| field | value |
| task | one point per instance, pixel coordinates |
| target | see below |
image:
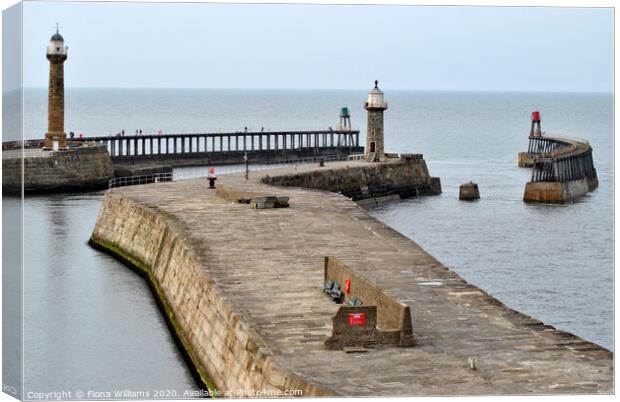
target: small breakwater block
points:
(469, 192)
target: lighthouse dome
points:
(376, 89)
(57, 46)
(375, 97)
(57, 37)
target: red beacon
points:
(535, 130)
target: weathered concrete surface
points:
(558, 192)
(245, 289)
(79, 169)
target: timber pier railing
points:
(178, 145)
(544, 145)
(560, 159)
(562, 169)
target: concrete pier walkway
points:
(268, 266)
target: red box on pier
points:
(357, 319)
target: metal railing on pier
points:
(300, 161)
(198, 172)
(194, 173)
(139, 179)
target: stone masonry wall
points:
(85, 168)
(56, 96)
(391, 312)
(379, 179)
(227, 353)
(375, 133)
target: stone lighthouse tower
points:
(56, 138)
(374, 151)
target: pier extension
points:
(245, 291)
(562, 170)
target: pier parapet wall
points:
(392, 318)
(406, 177)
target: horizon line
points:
(325, 89)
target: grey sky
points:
(337, 47)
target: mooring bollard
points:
(211, 177)
(321, 162)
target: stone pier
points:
(244, 290)
(83, 168)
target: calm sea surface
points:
(91, 323)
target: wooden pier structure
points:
(562, 169)
(196, 145)
(561, 160)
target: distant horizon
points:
(386, 89)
